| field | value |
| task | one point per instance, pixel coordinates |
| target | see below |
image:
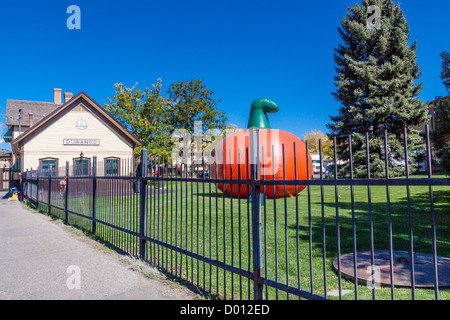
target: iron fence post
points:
(143, 205)
(25, 185)
(21, 190)
(28, 185)
(66, 195)
(256, 214)
(49, 191)
(94, 195)
(37, 188)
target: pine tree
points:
(445, 75)
(375, 84)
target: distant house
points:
(20, 116)
(5, 159)
(49, 135)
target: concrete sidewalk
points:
(35, 254)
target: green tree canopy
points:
(153, 117)
(190, 101)
(375, 85)
(441, 133)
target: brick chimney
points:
(58, 95)
(67, 96)
(30, 115)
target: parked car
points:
(315, 157)
(329, 171)
(204, 174)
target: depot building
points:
(49, 135)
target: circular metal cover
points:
(423, 268)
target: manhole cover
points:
(423, 268)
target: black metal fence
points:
(305, 246)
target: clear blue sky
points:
(244, 49)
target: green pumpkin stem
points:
(258, 113)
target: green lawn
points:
(201, 219)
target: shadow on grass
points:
(421, 225)
(213, 195)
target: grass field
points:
(199, 218)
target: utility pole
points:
(20, 126)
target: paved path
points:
(35, 254)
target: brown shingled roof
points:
(38, 109)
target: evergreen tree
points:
(445, 75)
(375, 84)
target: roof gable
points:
(88, 102)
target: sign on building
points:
(81, 142)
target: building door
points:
(4, 179)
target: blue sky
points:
(244, 49)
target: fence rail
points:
(173, 215)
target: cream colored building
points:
(73, 133)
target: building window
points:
(48, 167)
(81, 167)
(111, 166)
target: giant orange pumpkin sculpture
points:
(231, 156)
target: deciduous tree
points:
(145, 114)
(313, 138)
(441, 132)
(190, 101)
(153, 117)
